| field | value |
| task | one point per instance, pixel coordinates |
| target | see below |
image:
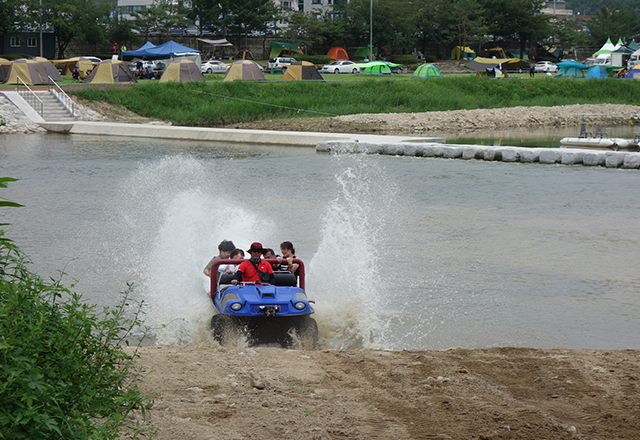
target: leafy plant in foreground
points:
(63, 371)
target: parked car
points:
(340, 66)
(280, 63)
(544, 67)
(214, 66)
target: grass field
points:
(216, 103)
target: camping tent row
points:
(117, 72)
(36, 71)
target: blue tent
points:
(597, 72)
(138, 53)
(166, 50)
(634, 73)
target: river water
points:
(401, 252)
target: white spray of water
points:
(179, 209)
(177, 213)
(347, 266)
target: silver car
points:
(545, 66)
(340, 66)
(214, 66)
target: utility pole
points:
(371, 31)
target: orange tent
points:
(338, 53)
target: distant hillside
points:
(590, 7)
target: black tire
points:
(307, 332)
(337, 71)
(354, 71)
(209, 70)
(223, 329)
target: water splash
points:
(178, 211)
(347, 267)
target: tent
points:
(364, 52)
(426, 71)
(570, 69)
(376, 68)
(5, 68)
(84, 65)
(244, 70)
(29, 71)
(597, 72)
(606, 49)
(170, 49)
(244, 54)
(139, 53)
(182, 71)
(51, 69)
(633, 73)
(302, 70)
(480, 64)
(111, 72)
(458, 53)
(280, 49)
(633, 45)
(338, 53)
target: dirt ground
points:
(213, 392)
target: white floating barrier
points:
(573, 156)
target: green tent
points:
(376, 68)
(426, 71)
(363, 52)
(280, 49)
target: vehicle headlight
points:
(236, 306)
(300, 305)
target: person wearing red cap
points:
(255, 269)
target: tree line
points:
(398, 25)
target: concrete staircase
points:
(53, 109)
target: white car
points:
(280, 63)
(545, 66)
(214, 66)
(340, 66)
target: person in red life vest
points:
(255, 269)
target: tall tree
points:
(84, 20)
(317, 31)
(613, 21)
(254, 15)
(394, 22)
(16, 14)
(162, 17)
(566, 33)
(517, 19)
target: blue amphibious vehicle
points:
(263, 313)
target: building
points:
(28, 43)
(557, 8)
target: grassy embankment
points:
(218, 103)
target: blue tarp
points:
(165, 50)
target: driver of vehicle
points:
(255, 269)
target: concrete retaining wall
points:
(564, 156)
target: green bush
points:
(63, 371)
(430, 58)
(403, 59)
(315, 59)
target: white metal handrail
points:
(60, 94)
(30, 96)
